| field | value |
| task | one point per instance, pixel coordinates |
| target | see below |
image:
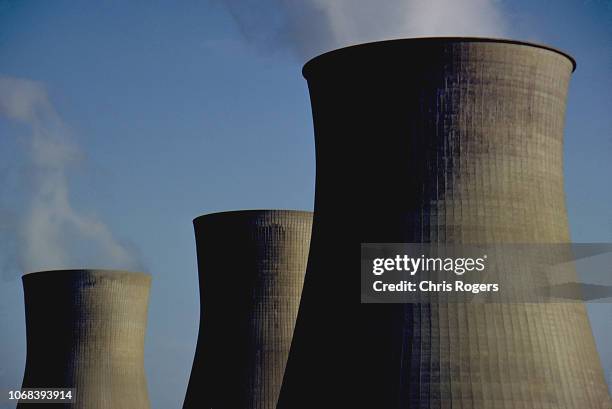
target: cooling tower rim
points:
(251, 212)
(308, 66)
(82, 271)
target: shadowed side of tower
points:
(441, 140)
(86, 330)
(251, 269)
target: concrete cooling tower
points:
(86, 330)
(440, 140)
(251, 269)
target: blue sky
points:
(183, 109)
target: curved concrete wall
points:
(86, 330)
(444, 140)
(251, 269)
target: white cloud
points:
(311, 27)
(48, 232)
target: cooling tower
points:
(440, 140)
(251, 269)
(85, 330)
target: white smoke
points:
(47, 232)
(311, 27)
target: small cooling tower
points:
(86, 330)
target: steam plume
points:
(48, 232)
(311, 27)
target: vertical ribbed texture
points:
(437, 141)
(251, 268)
(86, 330)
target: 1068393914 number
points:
(47, 395)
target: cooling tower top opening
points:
(71, 273)
(348, 56)
(251, 213)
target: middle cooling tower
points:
(438, 140)
(251, 269)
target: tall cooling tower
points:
(86, 330)
(440, 140)
(251, 268)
